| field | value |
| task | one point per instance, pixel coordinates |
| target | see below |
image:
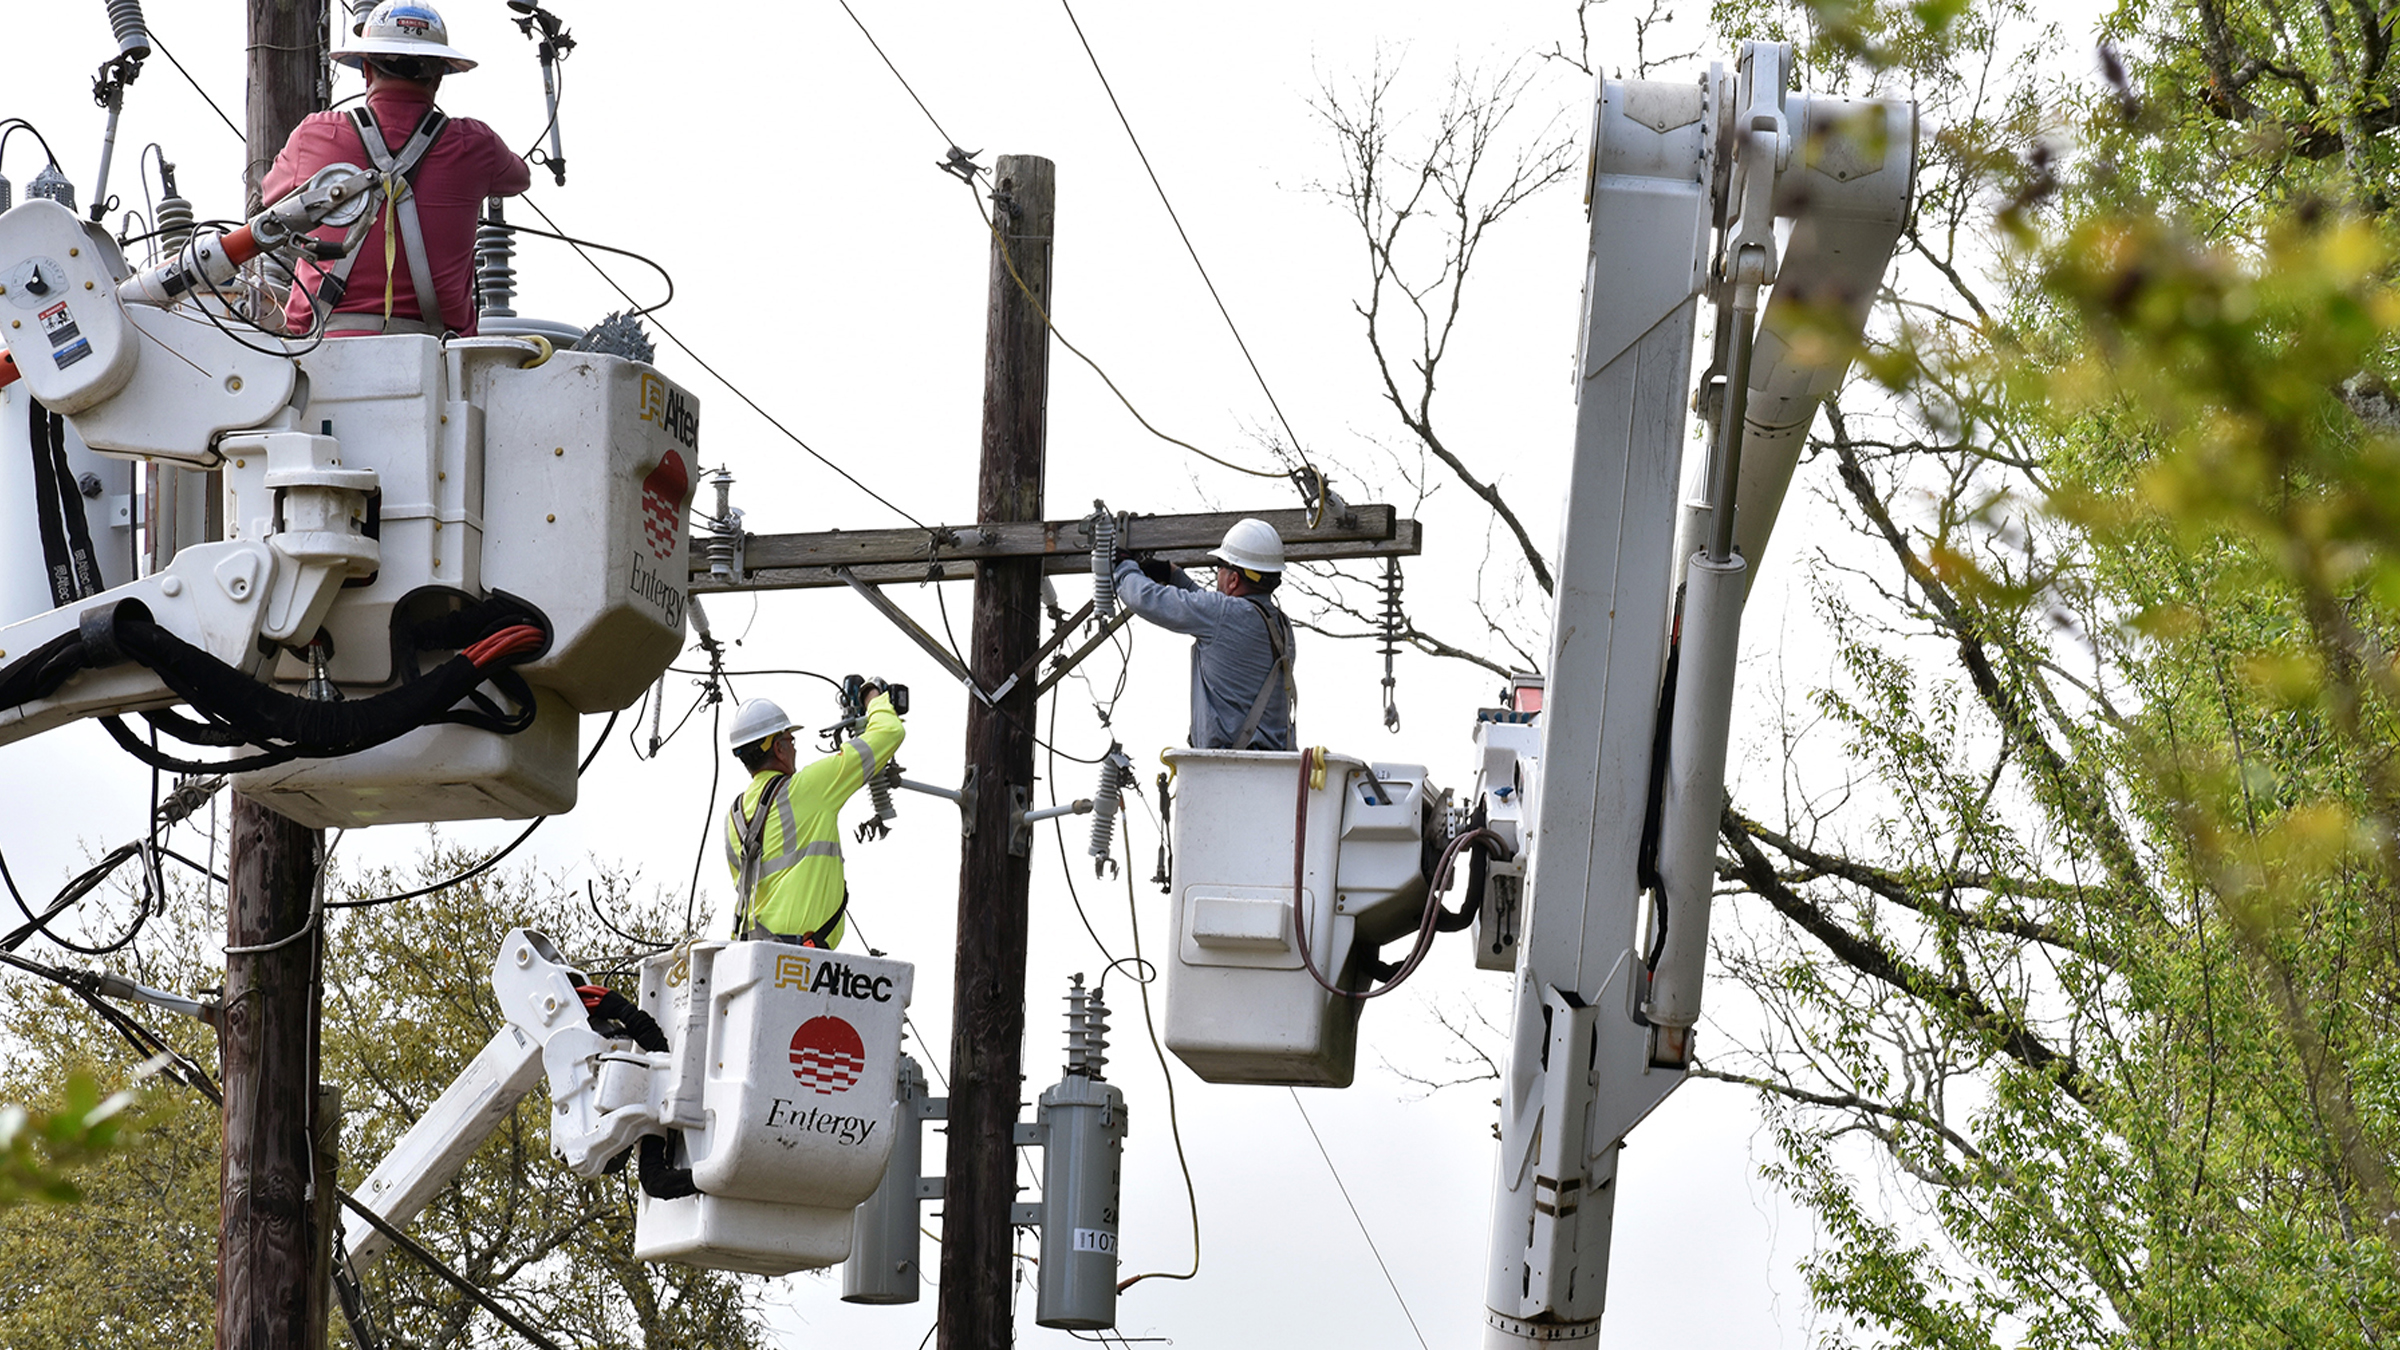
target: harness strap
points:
(1278, 638)
(751, 830)
(398, 170)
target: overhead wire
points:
(903, 79)
(581, 244)
(195, 84)
(1009, 261)
(1336, 1173)
(730, 387)
(598, 743)
(1188, 248)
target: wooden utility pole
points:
(269, 1223)
(987, 1025)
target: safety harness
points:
(753, 868)
(1279, 637)
(397, 171)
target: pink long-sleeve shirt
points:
(469, 163)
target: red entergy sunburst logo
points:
(662, 503)
(827, 1055)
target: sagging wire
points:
(599, 743)
(1008, 260)
(581, 244)
(1143, 973)
(1166, 1075)
(730, 387)
(1313, 485)
(316, 907)
(187, 797)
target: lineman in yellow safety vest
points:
(782, 838)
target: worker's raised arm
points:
(838, 775)
(1181, 608)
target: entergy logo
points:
(663, 492)
(827, 1055)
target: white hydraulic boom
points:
(1688, 183)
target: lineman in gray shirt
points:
(1242, 692)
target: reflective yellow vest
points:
(783, 837)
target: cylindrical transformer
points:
(1083, 1128)
(884, 1233)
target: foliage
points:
(2064, 907)
(41, 1150)
(407, 1003)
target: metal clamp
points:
(1021, 820)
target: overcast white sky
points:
(765, 156)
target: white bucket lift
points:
(766, 1106)
(785, 1088)
(1241, 1007)
(388, 501)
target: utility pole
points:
(269, 1223)
(987, 1036)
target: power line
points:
(195, 84)
(730, 386)
(947, 138)
(1206, 280)
(1354, 1215)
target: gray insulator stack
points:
(621, 334)
(133, 36)
(1083, 1130)
(176, 219)
(496, 264)
(879, 791)
(1087, 1032)
(1116, 769)
(53, 185)
(8, 193)
(1104, 563)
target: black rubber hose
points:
(660, 1181)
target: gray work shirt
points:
(1232, 656)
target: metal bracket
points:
(1021, 822)
(914, 631)
(1025, 1214)
(1075, 658)
(965, 797)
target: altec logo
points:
(827, 1055)
(670, 408)
(834, 978)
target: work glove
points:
(1157, 570)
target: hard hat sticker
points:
(827, 1055)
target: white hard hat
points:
(755, 721)
(403, 28)
(1252, 544)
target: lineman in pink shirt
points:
(413, 269)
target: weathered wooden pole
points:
(269, 1225)
(987, 1029)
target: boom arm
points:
(1686, 184)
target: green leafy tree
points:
(2062, 912)
(408, 1002)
